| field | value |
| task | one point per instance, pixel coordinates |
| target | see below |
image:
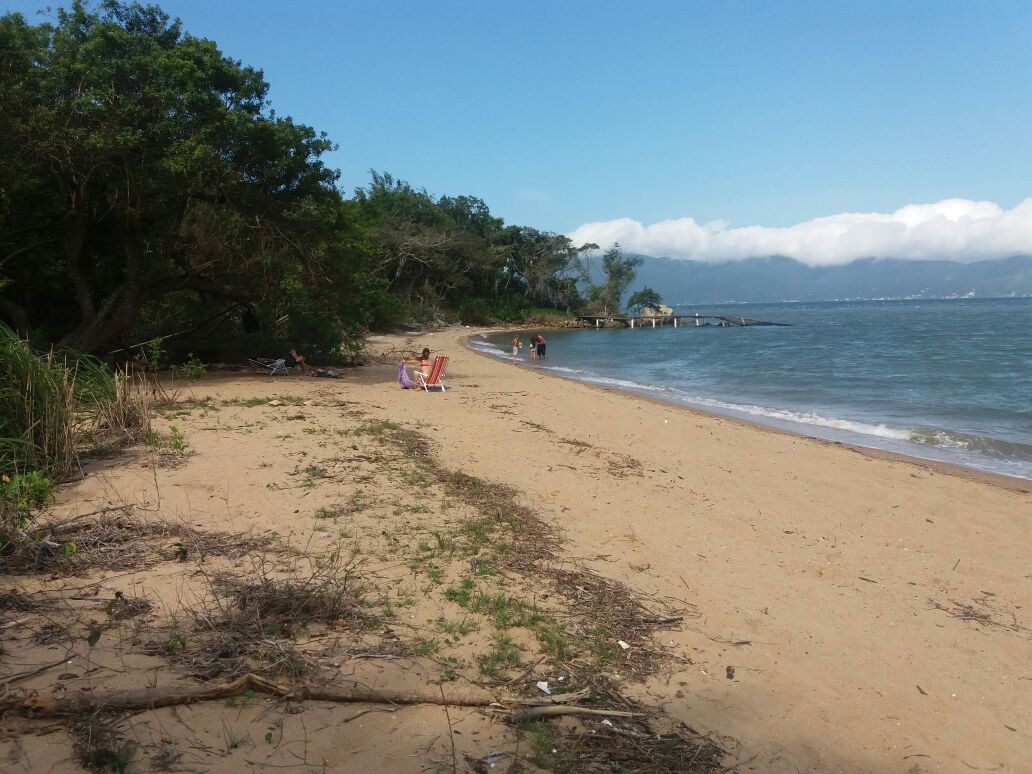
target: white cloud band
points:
(953, 229)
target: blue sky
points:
(562, 113)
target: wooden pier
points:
(675, 320)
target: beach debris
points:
(490, 760)
(607, 722)
(730, 673)
(543, 687)
(275, 403)
(623, 644)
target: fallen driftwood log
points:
(151, 698)
(135, 699)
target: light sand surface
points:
(849, 575)
(850, 613)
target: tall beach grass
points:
(56, 405)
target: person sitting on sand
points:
(294, 359)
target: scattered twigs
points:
(558, 698)
(16, 678)
(556, 710)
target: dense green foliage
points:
(148, 190)
(22, 496)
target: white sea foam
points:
(587, 376)
(806, 418)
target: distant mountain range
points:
(777, 278)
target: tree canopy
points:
(618, 271)
(148, 186)
(646, 298)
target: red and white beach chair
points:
(435, 379)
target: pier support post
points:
(597, 322)
(675, 322)
(632, 322)
(653, 322)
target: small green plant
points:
(451, 665)
(539, 735)
(22, 497)
(505, 610)
(154, 353)
(436, 574)
(456, 628)
(426, 647)
(462, 595)
(194, 368)
(177, 443)
(174, 444)
(360, 501)
(555, 641)
(601, 651)
(176, 643)
(503, 656)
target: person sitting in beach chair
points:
(424, 363)
(435, 379)
(294, 359)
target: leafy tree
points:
(145, 164)
(646, 298)
(618, 273)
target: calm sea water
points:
(946, 380)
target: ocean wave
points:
(968, 442)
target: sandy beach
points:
(838, 611)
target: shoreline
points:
(1015, 483)
(829, 610)
(832, 579)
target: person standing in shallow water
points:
(517, 345)
(533, 347)
(540, 347)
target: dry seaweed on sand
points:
(633, 745)
(119, 542)
(250, 622)
(17, 601)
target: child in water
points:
(517, 345)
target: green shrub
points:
(22, 496)
(194, 368)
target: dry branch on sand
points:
(135, 699)
(248, 622)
